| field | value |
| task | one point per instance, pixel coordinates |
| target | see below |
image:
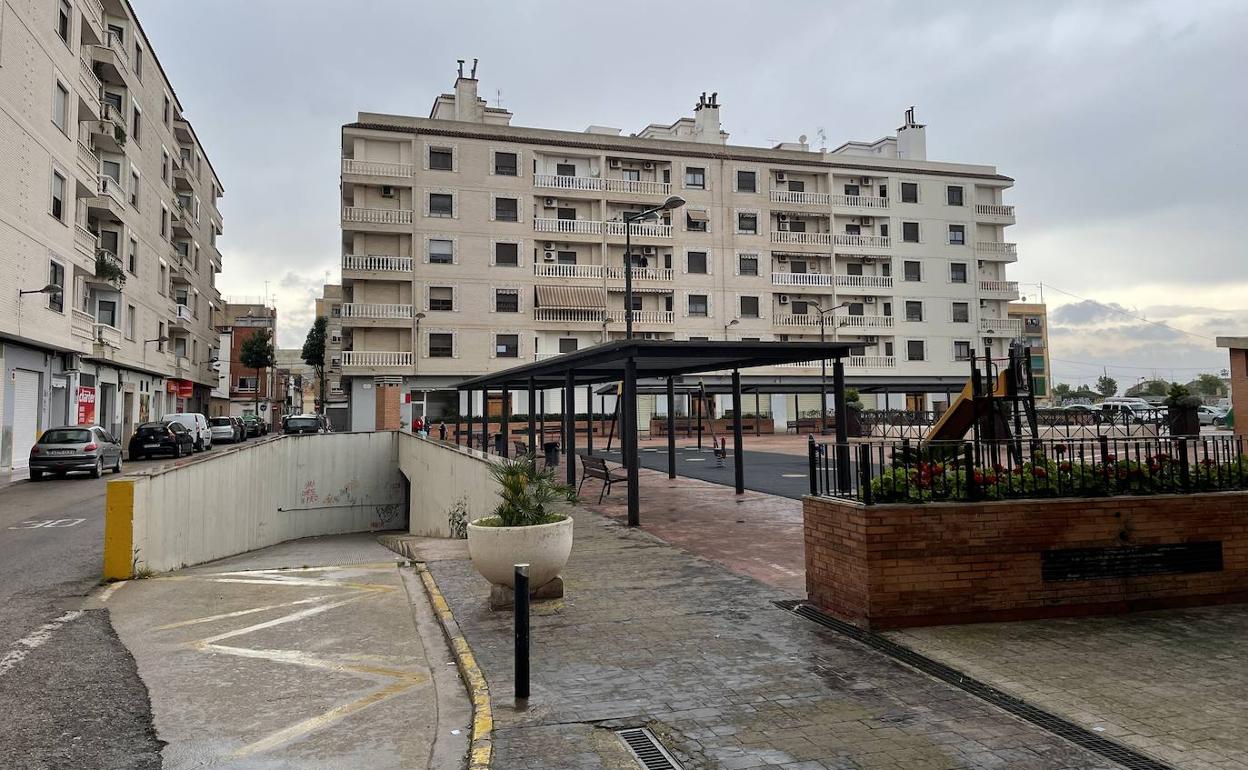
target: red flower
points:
(979, 477)
(1111, 458)
(1039, 471)
(1065, 466)
(938, 469)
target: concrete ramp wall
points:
(442, 476)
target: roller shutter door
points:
(25, 415)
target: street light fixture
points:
(728, 326)
(50, 288)
(672, 202)
(823, 366)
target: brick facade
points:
(388, 406)
(889, 566)
(1239, 389)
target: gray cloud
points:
(1086, 312)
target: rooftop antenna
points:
(498, 97)
(461, 67)
(823, 139)
(474, 69)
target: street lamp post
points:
(673, 202)
(823, 367)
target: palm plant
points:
(528, 493)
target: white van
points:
(197, 424)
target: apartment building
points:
(470, 245)
(1033, 317)
(336, 407)
(251, 391)
(108, 196)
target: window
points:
(696, 220)
(957, 272)
(441, 345)
(856, 308)
(852, 189)
(914, 311)
(164, 165)
(953, 195)
(912, 270)
(883, 191)
(441, 298)
(160, 287)
(164, 221)
(884, 230)
(244, 383)
(853, 268)
(130, 321)
(441, 159)
(133, 257)
(506, 164)
(56, 277)
(637, 303)
(507, 209)
(910, 232)
(507, 254)
(60, 107)
(138, 60)
(747, 224)
(957, 235)
(166, 112)
(695, 177)
(136, 124)
(961, 350)
(565, 169)
(58, 196)
(506, 301)
(569, 257)
(961, 313)
(747, 181)
(915, 350)
(698, 305)
(630, 174)
(799, 307)
(747, 264)
(797, 185)
(134, 188)
(507, 345)
(909, 192)
(749, 307)
(64, 20)
(106, 312)
(567, 344)
(441, 205)
(441, 251)
(695, 262)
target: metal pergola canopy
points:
(654, 358)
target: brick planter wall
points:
(890, 566)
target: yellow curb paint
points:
(480, 747)
(119, 530)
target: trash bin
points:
(551, 449)
(500, 442)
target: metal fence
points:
(1099, 466)
(896, 423)
(1050, 423)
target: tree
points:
(314, 356)
(1149, 388)
(1061, 392)
(257, 353)
(1106, 385)
(1209, 385)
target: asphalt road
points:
(774, 473)
(69, 692)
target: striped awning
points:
(570, 297)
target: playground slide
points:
(957, 419)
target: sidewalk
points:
(315, 654)
(649, 635)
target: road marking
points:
(47, 523)
(22, 647)
(695, 459)
(793, 475)
(112, 589)
(239, 613)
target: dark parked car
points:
(305, 423)
(153, 438)
(254, 426)
(240, 428)
(74, 448)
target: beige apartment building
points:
(108, 195)
(1034, 318)
(470, 245)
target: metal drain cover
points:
(646, 748)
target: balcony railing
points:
(864, 281)
(1012, 327)
(994, 210)
(809, 319)
(118, 47)
(559, 182)
(864, 321)
(93, 11)
(111, 188)
(88, 161)
(637, 186)
(85, 241)
(996, 248)
(377, 216)
(594, 184)
(377, 263)
(801, 279)
(376, 168)
(647, 316)
(803, 239)
(376, 359)
(868, 241)
(376, 310)
(576, 226)
(82, 324)
(641, 229)
(851, 362)
(91, 86)
(641, 273)
(557, 270)
(109, 336)
(860, 201)
(804, 198)
(1009, 288)
(571, 315)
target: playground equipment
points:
(993, 403)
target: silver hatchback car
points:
(74, 448)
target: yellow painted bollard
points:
(119, 530)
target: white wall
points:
(442, 475)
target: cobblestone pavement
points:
(1171, 684)
(651, 635)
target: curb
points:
(480, 747)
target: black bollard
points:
(522, 630)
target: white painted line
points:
(793, 475)
(22, 647)
(48, 523)
(695, 459)
(112, 589)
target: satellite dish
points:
(801, 139)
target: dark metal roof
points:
(654, 358)
(805, 383)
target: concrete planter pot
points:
(544, 547)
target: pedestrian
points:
(417, 425)
(442, 430)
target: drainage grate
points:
(647, 749)
(1080, 736)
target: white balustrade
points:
(379, 310)
(570, 315)
(805, 198)
(865, 321)
(851, 362)
(574, 226)
(649, 317)
(802, 239)
(1002, 326)
(85, 241)
(377, 216)
(109, 336)
(560, 182)
(860, 201)
(376, 168)
(801, 279)
(641, 273)
(864, 281)
(111, 188)
(93, 10)
(82, 324)
(996, 248)
(557, 270)
(377, 263)
(869, 241)
(809, 319)
(994, 209)
(376, 359)
(641, 229)
(118, 47)
(91, 86)
(637, 186)
(999, 287)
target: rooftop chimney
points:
(912, 139)
(467, 106)
(706, 126)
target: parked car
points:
(304, 423)
(1211, 415)
(152, 438)
(74, 448)
(223, 430)
(240, 428)
(254, 426)
(197, 424)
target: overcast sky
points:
(1124, 124)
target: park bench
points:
(521, 448)
(596, 468)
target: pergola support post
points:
(504, 444)
(569, 423)
(738, 460)
(589, 419)
(533, 417)
(629, 434)
(485, 420)
(671, 428)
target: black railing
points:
(1097, 466)
(896, 423)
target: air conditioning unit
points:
(550, 203)
(782, 258)
(783, 226)
(548, 256)
(780, 178)
(648, 166)
(650, 336)
(783, 299)
(387, 191)
(649, 250)
(866, 180)
(614, 163)
(868, 300)
(871, 340)
(549, 245)
(867, 221)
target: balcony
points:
(800, 198)
(801, 279)
(88, 163)
(864, 321)
(107, 336)
(110, 199)
(568, 226)
(93, 18)
(801, 239)
(851, 362)
(808, 319)
(109, 132)
(1007, 290)
(82, 324)
(860, 202)
(645, 317)
(587, 315)
(113, 59)
(376, 311)
(1001, 327)
(864, 241)
(376, 168)
(637, 187)
(997, 250)
(994, 213)
(181, 219)
(377, 216)
(595, 184)
(376, 263)
(89, 93)
(641, 229)
(86, 243)
(376, 359)
(867, 284)
(182, 317)
(557, 270)
(642, 273)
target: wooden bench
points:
(521, 448)
(593, 467)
